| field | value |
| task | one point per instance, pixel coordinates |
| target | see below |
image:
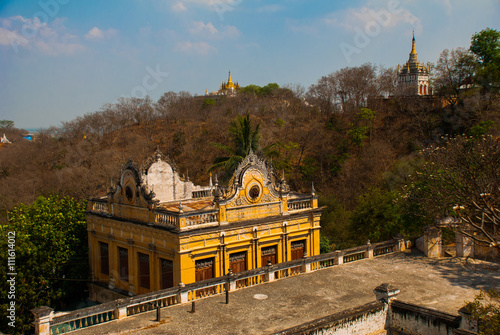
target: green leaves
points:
(51, 256)
(485, 45)
(377, 217)
(6, 124)
(244, 138)
(486, 310)
(260, 91)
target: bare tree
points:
(454, 74)
(461, 179)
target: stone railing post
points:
(43, 316)
(230, 280)
(340, 258)
(182, 296)
(120, 311)
(386, 292)
(369, 250)
(400, 243)
(306, 267)
(269, 276)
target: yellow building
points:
(226, 88)
(155, 230)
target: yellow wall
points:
(185, 250)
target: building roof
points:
(413, 65)
(155, 194)
(444, 285)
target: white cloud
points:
(366, 18)
(448, 7)
(97, 34)
(200, 48)
(94, 33)
(200, 27)
(179, 7)
(32, 34)
(208, 31)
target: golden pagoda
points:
(228, 88)
(413, 77)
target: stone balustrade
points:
(200, 219)
(202, 194)
(47, 324)
(165, 219)
(296, 205)
(100, 206)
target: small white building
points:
(4, 140)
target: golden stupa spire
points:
(413, 44)
(229, 81)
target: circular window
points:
(129, 193)
(254, 192)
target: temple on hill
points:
(155, 230)
(226, 88)
(413, 77)
(4, 141)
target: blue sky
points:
(60, 59)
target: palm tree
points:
(244, 139)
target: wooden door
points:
(123, 263)
(269, 254)
(238, 263)
(167, 273)
(104, 258)
(204, 270)
(144, 277)
(297, 249)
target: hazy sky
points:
(65, 58)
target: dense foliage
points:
(50, 259)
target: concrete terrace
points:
(444, 285)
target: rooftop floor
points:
(444, 284)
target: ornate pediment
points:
(254, 181)
(131, 188)
(157, 181)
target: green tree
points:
(485, 46)
(244, 138)
(259, 91)
(481, 129)
(51, 257)
(485, 309)
(335, 223)
(377, 217)
(6, 124)
(208, 102)
(269, 88)
(361, 129)
(252, 89)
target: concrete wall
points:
(431, 243)
(368, 319)
(397, 318)
(406, 318)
